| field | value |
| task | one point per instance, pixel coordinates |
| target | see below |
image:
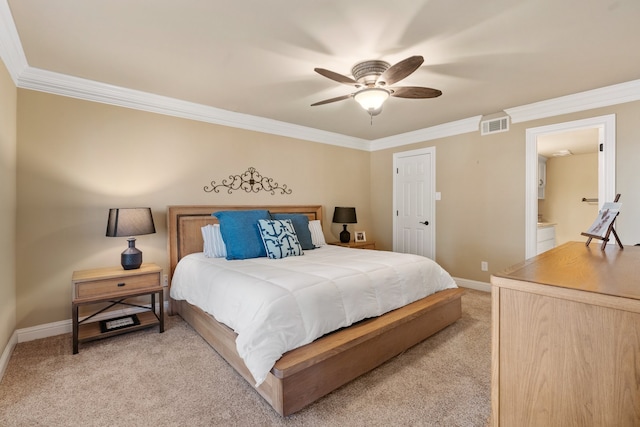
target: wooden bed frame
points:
(303, 375)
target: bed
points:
(311, 371)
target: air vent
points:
(494, 126)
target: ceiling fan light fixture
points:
(371, 99)
(374, 82)
(562, 153)
(374, 112)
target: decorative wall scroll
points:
(250, 181)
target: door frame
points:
(431, 189)
(606, 126)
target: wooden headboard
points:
(185, 221)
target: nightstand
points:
(114, 285)
(356, 245)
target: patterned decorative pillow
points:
(213, 244)
(301, 225)
(279, 237)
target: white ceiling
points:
(581, 141)
(257, 57)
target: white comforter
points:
(276, 305)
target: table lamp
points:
(130, 222)
(344, 216)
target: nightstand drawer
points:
(117, 284)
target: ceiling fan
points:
(373, 80)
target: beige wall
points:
(77, 159)
(8, 105)
(481, 216)
(569, 179)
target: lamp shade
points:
(344, 215)
(123, 222)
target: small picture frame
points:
(360, 237)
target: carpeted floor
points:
(175, 379)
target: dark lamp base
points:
(131, 258)
(345, 236)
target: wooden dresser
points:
(566, 339)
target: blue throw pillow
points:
(240, 233)
(279, 238)
(301, 225)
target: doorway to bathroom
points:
(606, 141)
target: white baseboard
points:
(6, 354)
(53, 329)
(473, 284)
(66, 326)
(44, 331)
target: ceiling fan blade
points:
(415, 92)
(399, 71)
(337, 77)
(328, 101)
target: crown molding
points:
(11, 50)
(61, 84)
(457, 127)
(26, 77)
(587, 100)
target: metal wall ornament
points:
(251, 181)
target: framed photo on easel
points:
(602, 227)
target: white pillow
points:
(213, 244)
(317, 236)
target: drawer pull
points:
(121, 284)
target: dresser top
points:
(574, 265)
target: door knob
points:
(425, 223)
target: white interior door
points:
(414, 202)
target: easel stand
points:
(610, 230)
